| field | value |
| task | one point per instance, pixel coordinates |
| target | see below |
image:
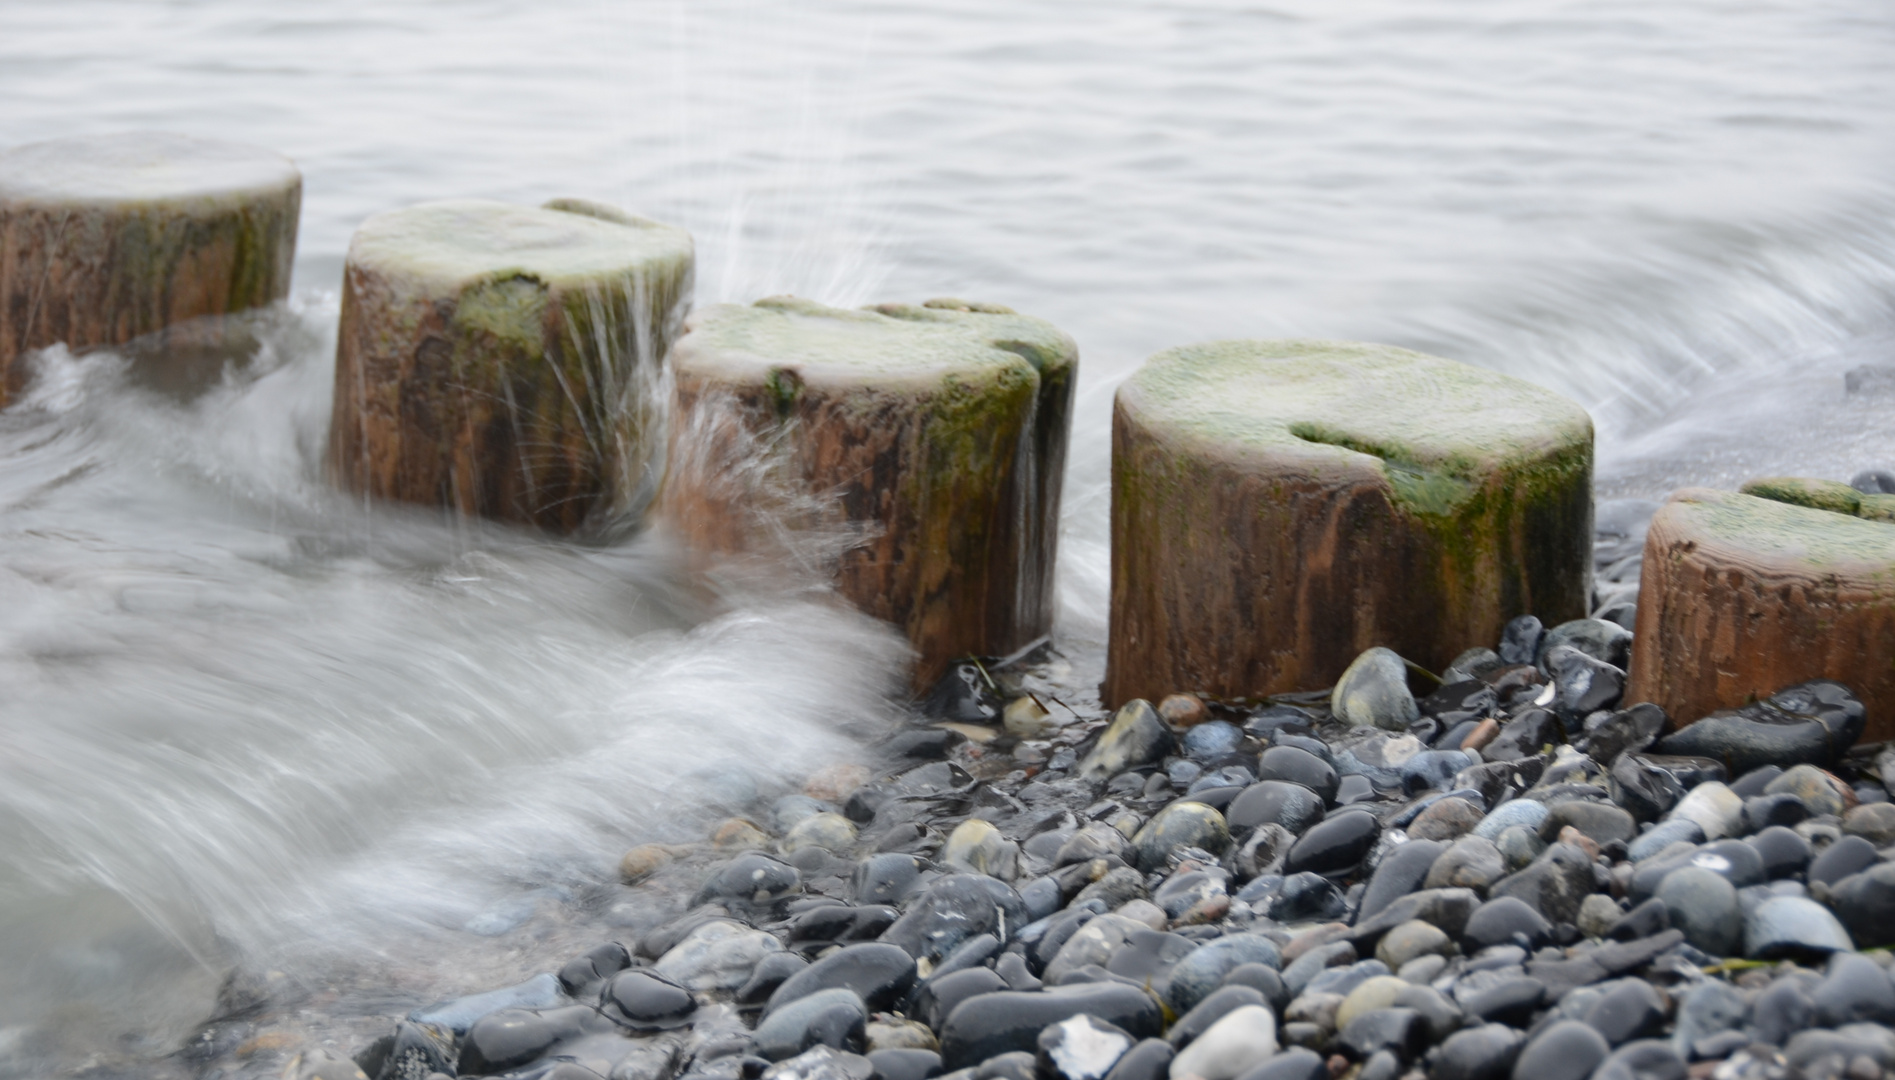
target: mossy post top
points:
(441, 246)
(890, 346)
(140, 167)
(1750, 528)
(1334, 407)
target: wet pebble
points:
(1336, 845)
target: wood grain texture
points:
(109, 239)
(505, 361)
(1278, 507)
(1742, 596)
(933, 438)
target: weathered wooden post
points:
(936, 432)
(503, 360)
(110, 238)
(1742, 595)
(1280, 506)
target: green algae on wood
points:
(1742, 595)
(932, 436)
(1829, 495)
(1280, 506)
(505, 361)
(109, 239)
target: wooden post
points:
(934, 434)
(1280, 506)
(110, 238)
(1742, 596)
(504, 361)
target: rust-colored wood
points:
(503, 361)
(1279, 507)
(927, 443)
(109, 239)
(1740, 597)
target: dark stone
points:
(953, 909)
(1849, 855)
(834, 1017)
(638, 999)
(1644, 920)
(1751, 784)
(1782, 852)
(1854, 990)
(1567, 1050)
(513, 1037)
(1497, 781)
(840, 924)
(1042, 897)
(1783, 1009)
(1705, 1009)
(1353, 789)
(1617, 958)
(1597, 639)
(938, 996)
(1214, 739)
(1865, 904)
(1298, 766)
(1807, 724)
(1149, 955)
(1432, 770)
(973, 952)
(1600, 822)
(905, 1064)
(1511, 1001)
(1295, 1063)
(1782, 808)
(1646, 791)
(768, 975)
(963, 695)
(1645, 1059)
(1059, 930)
(1012, 1065)
(1149, 1059)
(1520, 640)
(1007, 1021)
(1704, 905)
(923, 744)
(1270, 719)
(1279, 802)
(1446, 909)
(1554, 884)
(1081, 1048)
(1584, 684)
(1628, 730)
(1464, 696)
(414, 1050)
(1307, 896)
(1711, 1048)
(582, 973)
(1195, 976)
(1336, 845)
(1210, 1010)
(1505, 920)
(1012, 968)
(1179, 826)
(1135, 737)
(1523, 736)
(1630, 1010)
(750, 881)
(1487, 1052)
(1402, 1032)
(1399, 873)
(1264, 980)
(1733, 860)
(880, 974)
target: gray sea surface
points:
(246, 722)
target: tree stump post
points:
(1741, 596)
(1280, 506)
(934, 435)
(108, 239)
(505, 361)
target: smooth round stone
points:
(1567, 1050)
(1341, 980)
(953, 909)
(718, 955)
(885, 878)
(1706, 1009)
(1486, 1052)
(1714, 808)
(1874, 822)
(1525, 812)
(1602, 823)
(1006, 1021)
(1148, 1059)
(1783, 853)
(1136, 736)
(1230, 1047)
(1263, 979)
(1598, 914)
(1782, 808)
(1791, 927)
(1509, 1001)
(1354, 788)
(1307, 897)
(1378, 992)
(1336, 845)
(1093, 944)
(1642, 1059)
(1555, 884)
(1180, 825)
(1503, 921)
(750, 880)
(1296, 1063)
(1781, 1010)
(1373, 692)
(1854, 990)
(1209, 741)
(513, 1037)
(1410, 940)
(1399, 873)
(1819, 790)
(829, 831)
(1081, 1048)
(1663, 835)
(1703, 905)
(1518, 846)
(1865, 903)
(642, 1001)
(1606, 642)
(1446, 819)
(1433, 770)
(1751, 784)
(937, 997)
(904, 1063)
(878, 974)
(1399, 1033)
(1298, 766)
(976, 847)
(834, 1018)
(1222, 1001)
(1630, 1010)
(1200, 972)
(768, 975)
(1275, 802)
(1849, 855)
